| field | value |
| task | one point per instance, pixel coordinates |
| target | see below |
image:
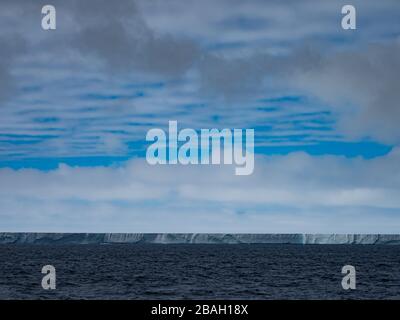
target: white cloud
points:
(295, 193)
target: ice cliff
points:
(195, 238)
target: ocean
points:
(200, 271)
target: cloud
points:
(113, 70)
(12, 46)
(313, 194)
(258, 47)
(238, 52)
(359, 86)
(119, 35)
(214, 68)
(362, 86)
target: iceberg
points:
(196, 238)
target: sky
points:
(76, 104)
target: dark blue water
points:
(199, 271)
